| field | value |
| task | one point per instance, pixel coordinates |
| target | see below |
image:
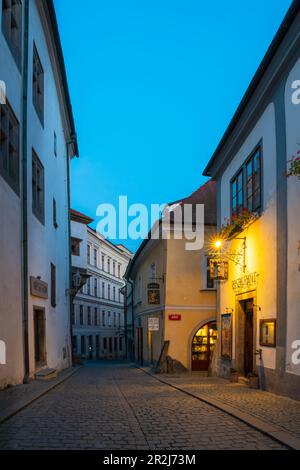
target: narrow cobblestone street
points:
(116, 406)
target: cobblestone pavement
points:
(116, 406)
(278, 410)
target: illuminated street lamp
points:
(219, 255)
(218, 244)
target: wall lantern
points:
(220, 256)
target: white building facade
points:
(258, 306)
(37, 137)
(98, 314)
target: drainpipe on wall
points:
(69, 288)
(125, 292)
(24, 198)
(132, 313)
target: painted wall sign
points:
(2, 353)
(226, 335)
(153, 324)
(153, 293)
(218, 269)
(175, 317)
(245, 283)
(38, 288)
(267, 335)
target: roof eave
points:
(49, 7)
(288, 20)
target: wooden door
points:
(39, 338)
(248, 341)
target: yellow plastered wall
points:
(185, 296)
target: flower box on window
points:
(294, 169)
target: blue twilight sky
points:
(154, 85)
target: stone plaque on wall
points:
(38, 288)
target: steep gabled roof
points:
(80, 217)
(207, 195)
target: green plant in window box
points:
(238, 224)
(294, 169)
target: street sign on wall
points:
(153, 324)
(153, 293)
(38, 288)
(175, 317)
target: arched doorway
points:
(203, 345)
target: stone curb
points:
(269, 429)
(35, 395)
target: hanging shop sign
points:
(175, 317)
(226, 335)
(153, 293)
(218, 270)
(153, 324)
(245, 283)
(38, 288)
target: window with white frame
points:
(95, 287)
(95, 257)
(38, 188)
(38, 85)
(103, 290)
(54, 213)
(12, 27)
(9, 147)
(246, 185)
(139, 289)
(153, 271)
(207, 283)
(55, 143)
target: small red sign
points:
(175, 317)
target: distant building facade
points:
(258, 307)
(37, 140)
(98, 315)
(171, 299)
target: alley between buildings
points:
(113, 405)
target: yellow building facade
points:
(171, 298)
(258, 304)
